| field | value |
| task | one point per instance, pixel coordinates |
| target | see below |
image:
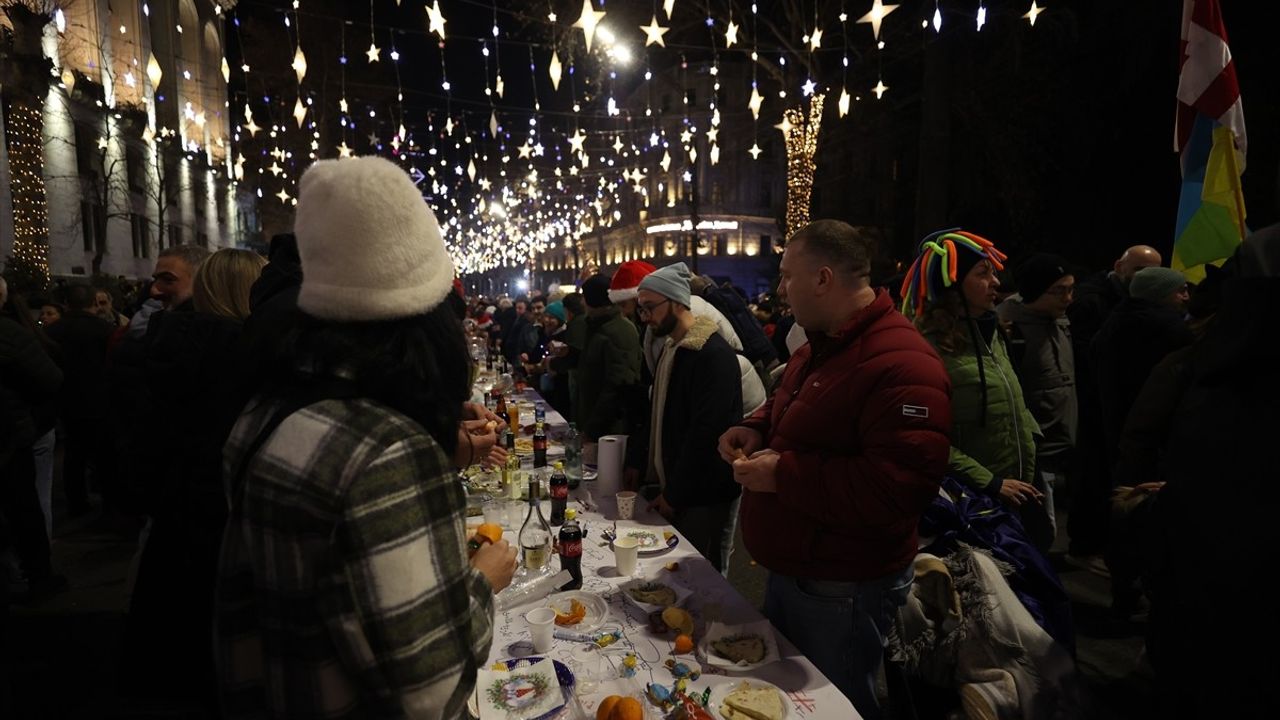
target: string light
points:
(30, 259)
(802, 142)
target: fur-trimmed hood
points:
(702, 330)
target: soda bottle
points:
(539, 445)
(499, 404)
(573, 457)
(535, 534)
(559, 494)
(571, 549)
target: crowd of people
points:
(284, 434)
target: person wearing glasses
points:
(1041, 353)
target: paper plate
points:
(597, 609)
(682, 593)
(563, 674)
(717, 631)
(722, 690)
(651, 542)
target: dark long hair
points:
(418, 366)
(946, 321)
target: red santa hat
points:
(626, 281)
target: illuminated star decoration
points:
(102, 143)
(982, 16)
(342, 105)
(373, 53)
(666, 161)
(343, 150)
(784, 126)
(554, 70)
(731, 34)
(815, 40)
(299, 111)
(1032, 13)
(754, 103)
(249, 124)
(878, 11)
(576, 140)
(283, 195)
(275, 169)
(588, 21)
(809, 87)
(300, 64)
(755, 151)
(653, 33)
(844, 103)
(668, 6)
(436, 19)
(879, 88)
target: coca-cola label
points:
(560, 491)
(571, 548)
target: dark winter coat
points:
(860, 419)
(607, 371)
(82, 342)
(1042, 355)
(29, 379)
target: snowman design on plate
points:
(517, 692)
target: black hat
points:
(595, 291)
(1039, 273)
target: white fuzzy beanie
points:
(370, 246)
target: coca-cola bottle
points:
(559, 485)
(539, 445)
(571, 549)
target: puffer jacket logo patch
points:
(915, 411)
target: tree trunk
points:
(24, 122)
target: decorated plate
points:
(651, 542)
(521, 690)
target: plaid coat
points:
(344, 587)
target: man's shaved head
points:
(1136, 258)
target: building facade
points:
(132, 103)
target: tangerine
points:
(490, 532)
(684, 644)
(628, 708)
(606, 707)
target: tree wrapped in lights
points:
(802, 141)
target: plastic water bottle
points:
(539, 413)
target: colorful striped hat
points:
(938, 266)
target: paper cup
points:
(625, 552)
(541, 626)
(626, 504)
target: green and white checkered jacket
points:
(344, 589)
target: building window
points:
(136, 167)
(93, 224)
(141, 235)
(88, 156)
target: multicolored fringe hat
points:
(944, 258)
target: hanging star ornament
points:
(342, 105)
(493, 124)
(666, 161)
(249, 124)
(731, 34)
(755, 102)
(524, 151)
(784, 126)
(300, 64)
(499, 86)
(879, 88)
(554, 70)
(299, 111)
(437, 20)
(275, 169)
(755, 151)
(668, 6)
(283, 195)
(844, 103)
(653, 33)
(343, 150)
(373, 53)
(576, 140)
(808, 87)
(1032, 13)
(588, 21)
(815, 40)
(878, 11)
(471, 169)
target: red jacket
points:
(861, 420)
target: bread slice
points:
(757, 703)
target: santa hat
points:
(626, 281)
(371, 248)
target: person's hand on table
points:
(759, 472)
(664, 509)
(497, 562)
(476, 441)
(630, 479)
(477, 411)
(1016, 492)
(739, 442)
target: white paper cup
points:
(626, 504)
(541, 626)
(625, 552)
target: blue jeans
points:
(840, 626)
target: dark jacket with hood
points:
(607, 371)
(1042, 355)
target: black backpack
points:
(756, 346)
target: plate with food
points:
(739, 648)
(524, 686)
(650, 595)
(650, 542)
(524, 446)
(579, 610)
(749, 700)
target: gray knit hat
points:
(670, 282)
(1156, 283)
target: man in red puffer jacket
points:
(838, 466)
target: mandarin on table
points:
(628, 708)
(606, 707)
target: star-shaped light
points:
(654, 140)
(300, 64)
(878, 11)
(715, 154)
(844, 102)
(654, 32)
(879, 88)
(130, 80)
(395, 143)
(373, 138)
(784, 126)
(299, 111)
(982, 16)
(250, 125)
(588, 21)
(554, 70)
(686, 136)
(937, 19)
(283, 195)
(731, 34)
(576, 140)
(437, 20)
(815, 40)
(373, 53)
(471, 169)
(493, 124)
(538, 150)
(343, 150)
(102, 143)
(524, 150)
(755, 151)
(275, 169)
(668, 6)
(809, 86)
(617, 144)
(342, 105)
(485, 184)
(755, 102)
(666, 161)
(499, 85)
(1033, 12)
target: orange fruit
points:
(490, 532)
(684, 644)
(606, 707)
(628, 708)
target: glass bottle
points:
(559, 486)
(535, 535)
(571, 549)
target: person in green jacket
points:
(608, 365)
(951, 292)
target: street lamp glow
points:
(606, 35)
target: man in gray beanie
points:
(1160, 284)
(697, 396)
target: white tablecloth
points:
(598, 670)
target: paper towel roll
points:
(610, 456)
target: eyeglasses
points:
(647, 310)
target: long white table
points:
(599, 670)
